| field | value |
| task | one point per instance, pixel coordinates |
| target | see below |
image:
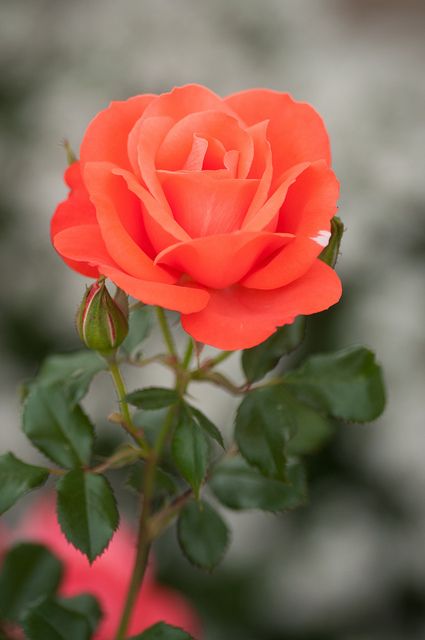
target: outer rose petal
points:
(296, 131)
(190, 98)
(306, 212)
(311, 202)
(118, 212)
(239, 318)
(291, 262)
(83, 244)
(75, 210)
(78, 209)
(106, 137)
(186, 299)
(221, 260)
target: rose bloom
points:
(217, 208)
(107, 578)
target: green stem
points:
(144, 537)
(163, 434)
(188, 354)
(143, 548)
(122, 393)
(213, 362)
(168, 337)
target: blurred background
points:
(351, 565)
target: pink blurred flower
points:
(108, 577)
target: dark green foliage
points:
(263, 426)
(57, 427)
(152, 398)
(29, 572)
(258, 361)
(140, 325)
(347, 384)
(202, 534)
(87, 511)
(162, 631)
(17, 478)
(190, 449)
(239, 486)
(205, 423)
(62, 619)
(74, 371)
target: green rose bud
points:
(101, 323)
(331, 252)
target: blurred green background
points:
(351, 565)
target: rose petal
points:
(239, 318)
(160, 225)
(261, 167)
(145, 140)
(186, 299)
(177, 144)
(291, 262)
(75, 210)
(220, 261)
(181, 101)
(120, 221)
(266, 218)
(311, 202)
(83, 243)
(196, 157)
(105, 139)
(296, 131)
(204, 203)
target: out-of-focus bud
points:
(101, 323)
(331, 252)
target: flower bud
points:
(331, 252)
(101, 322)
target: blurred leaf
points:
(162, 631)
(331, 252)
(85, 604)
(205, 423)
(87, 511)
(16, 478)
(60, 430)
(153, 398)
(258, 361)
(311, 431)
(29, 573)
(239, 486)
(140, 325)
(62, 619)
(202, 534)
(263, 426)
(165, 483)
(189, 448)
(348, 384)
(150, 422)
(74, 371)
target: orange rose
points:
(216, 208)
